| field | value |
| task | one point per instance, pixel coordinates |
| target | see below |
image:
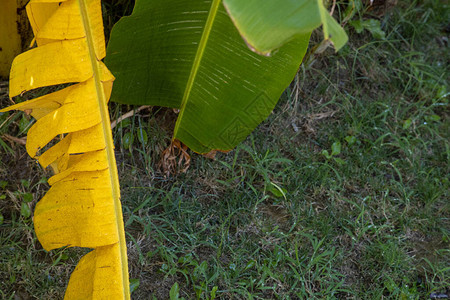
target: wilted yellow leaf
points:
(82, 207)
(10, 43)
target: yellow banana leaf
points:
(82, 207)
(10, 43)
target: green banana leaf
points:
(268, 24)
(188, 54)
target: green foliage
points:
(134, 284)
(267, 25)
(371, 25)
(175, 292)
(189, 55)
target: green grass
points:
(278, 217)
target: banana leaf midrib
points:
(197, 60)
(109, 146)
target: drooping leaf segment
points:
(82, 207)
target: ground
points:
(278, 217)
